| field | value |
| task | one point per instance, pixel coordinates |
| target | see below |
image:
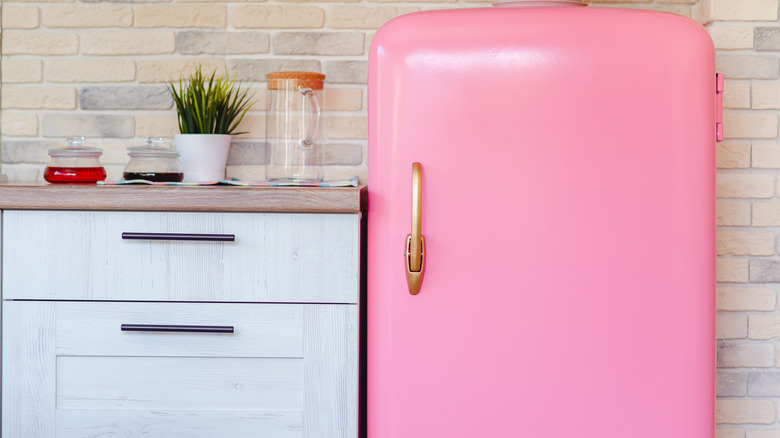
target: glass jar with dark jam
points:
(153, 162)
(75, 164)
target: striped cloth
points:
(352, 182)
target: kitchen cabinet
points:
(254, 336)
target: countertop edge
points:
(32, 196)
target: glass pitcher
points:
(293, 151)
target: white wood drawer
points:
(276, 257)
(288, 370)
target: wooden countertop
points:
(35, 196)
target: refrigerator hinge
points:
(719, 106)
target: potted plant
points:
(209, 111)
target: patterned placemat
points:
(352, 182)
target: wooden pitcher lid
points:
(306, 79)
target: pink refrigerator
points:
(547, 268)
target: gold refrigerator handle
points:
(415, 242)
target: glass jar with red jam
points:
(75, 164)
(153, 162)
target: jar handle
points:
(309, 131)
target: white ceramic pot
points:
(203, 156)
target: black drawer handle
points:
(180, 236)
(177, 328)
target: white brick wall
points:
(96, 68)
(746, 34)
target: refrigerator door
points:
(567, 206)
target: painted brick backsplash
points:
(745, 185)
(21, 17)
(21, 71)
(20, 125)
(24, 151)
(732, 37)
(88, 125)
(748, 66)
(39, 97)
(222, 43)
(763, 270)
(165, 70)
(116, 43)
(737, 96)
(318, 43)
(766, 433)
(99, 67)
(263, 16)
(728, 432)
(765, 95)
(732, 154)
(767, 38)
(247, 152)
(41, 43)
(732, 213)
(746, 298)
(731, 325)
(730, 411)
(730, 384)
(73, 16)
(254, 70)
(764, 384)
(347, 72)
(131, 97)
(89, 70)
(742, 354)
(744, 10)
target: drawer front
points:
(275, 257)
(287, 370)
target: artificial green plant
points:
(213, 105)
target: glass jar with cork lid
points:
(293, 149)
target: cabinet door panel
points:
(60, 379)
(276, 257)
(28, 371)
(178, 424)
(179, 383)
(268, 330)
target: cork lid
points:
(294, 79)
